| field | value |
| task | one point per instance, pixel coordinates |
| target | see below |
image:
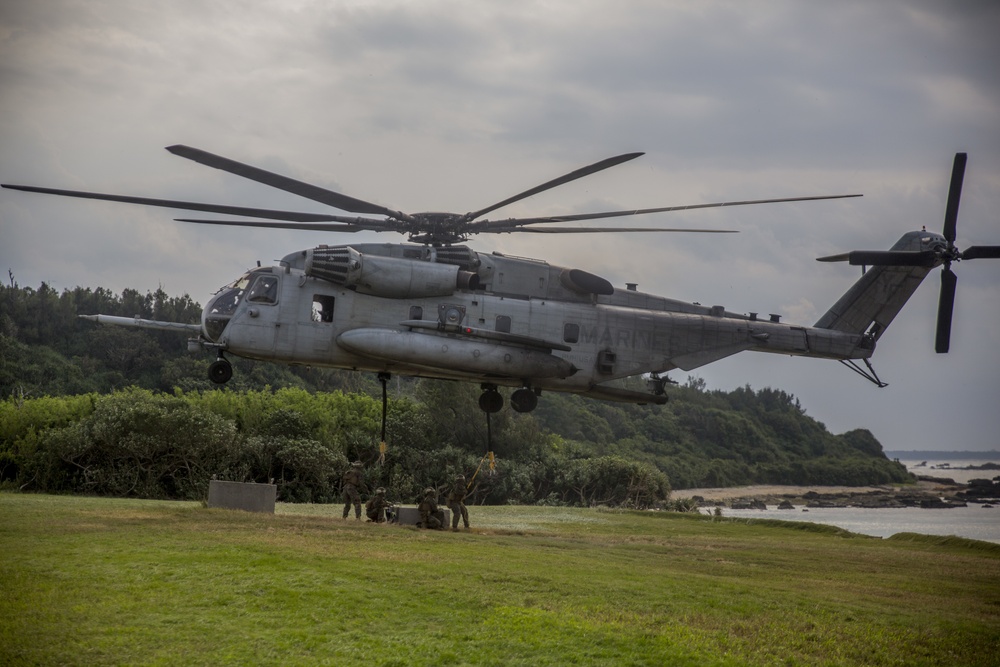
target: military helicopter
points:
(436, 308)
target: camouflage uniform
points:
(353, 480)
(428, 507)
(455, 502)
(376, 506)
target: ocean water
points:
(974, 521)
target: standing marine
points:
(456, 504)
(428, 509)
(354, 479)
(377, 505)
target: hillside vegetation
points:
(116, 411)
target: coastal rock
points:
(933, 493)
(937, 480)
(748, 504)
(980, 490)
(927, 494)
(939, 503)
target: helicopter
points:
(436, 308)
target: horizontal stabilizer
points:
(884, 258)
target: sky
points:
(449, 105)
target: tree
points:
(613, 480)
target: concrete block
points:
(410, 516)
(240, 496)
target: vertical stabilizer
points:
(871, 304)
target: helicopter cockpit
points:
(258, 286)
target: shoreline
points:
(925, 493)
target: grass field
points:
(91, 581)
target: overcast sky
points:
(454, 105)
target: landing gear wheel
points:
(490, 400)
(220, 372)
(524, 400)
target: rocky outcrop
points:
(927, 495)
(981, 491)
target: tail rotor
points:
(937, 251)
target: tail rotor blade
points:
(981, 252)
(946, 306)
(954, 196)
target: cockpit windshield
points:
(263, 289)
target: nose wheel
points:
(221, 371)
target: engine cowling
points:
(389, 277)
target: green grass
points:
(90, 581)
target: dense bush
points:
(139, 443)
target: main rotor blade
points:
(946, 306)
(313, 192)
(346, 225)
(314, 227)
(185, 205)
(594, 230)
(572, 176)
(954, 196)
(488, 225)
(982, 251)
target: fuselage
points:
(454, 313)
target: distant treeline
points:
(118, 411)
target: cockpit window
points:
(226, 301)
(263, 290)
(222, 306)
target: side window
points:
(322, 308)
(503, 323)
(571, 333)
(416, 312)
(264, 290)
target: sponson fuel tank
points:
(452, 353)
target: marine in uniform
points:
(456, 504)
(428, 508)
(353, 481)
(377, 505)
